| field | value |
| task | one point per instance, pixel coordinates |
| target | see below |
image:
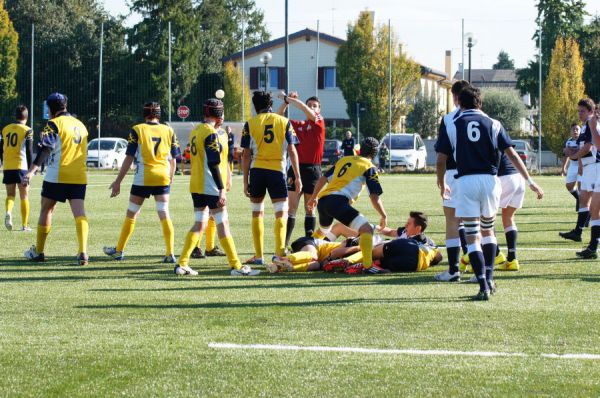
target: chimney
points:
(448, 65)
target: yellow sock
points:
(302, 267)
(258, 236)
(83, 230)
(279, 228)
(211, 235)
(318, 234)
(229, 248)
(355, 258)
(126, 232)
(169, 235)
(300, 257)
(42, 234)
(365, 242)
(25, 212)
(199, 243)
(9, 203)
(191, 240)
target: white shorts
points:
(589, 177)
(451, 183)
(572, 172)
(478, 195)
(513, 191)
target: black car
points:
(332, 151)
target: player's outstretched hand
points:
(538, 190)
(222, 199)
(293, 94)
(26, 179)
(246, 190)
(445, 191)
(383, 222)
(298, 186)
(281, 95)
(312, 204)
(115, 188)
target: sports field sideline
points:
(134, 328)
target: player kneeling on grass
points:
(344, 183)
(154, 147)
(209, 167)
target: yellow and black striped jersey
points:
(209, 148)
(152, 145)
(324, 248)
(349, 176)
(14, 140)
(67, 139)
(267, 135)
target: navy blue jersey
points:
(450, 162)
(474, 140)
(348, 146)
(586, 138)
(506, 167)
(571, 143)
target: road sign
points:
(183, 112)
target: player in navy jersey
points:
(474, 140)
(593, 126)
(570, 166)
(589, 159)
(455, 232)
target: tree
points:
(563, 88)
(424, 118)
(504, 61)
(232, 85)
(9, 53)
(504, 105)
(362, 71)
(590, 50)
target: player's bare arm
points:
(440, 167)
(115, 187)
(292, 99)
(378, 206)
(295, 166)
(392, 233)
(246, 158)
(594, 128)
(312, 202)
(520, 166)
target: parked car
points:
(332, 151)
(112, 152)
(526, 153)
(406, 150)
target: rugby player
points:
(311, 136)
(154, 148)
(345, 180)
(16, 155)
(209, 174)
(570, 166)
(348, 144)
(474, 139)
(64, 141)
(590, 164)
(266, 140)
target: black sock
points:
(309, 225)
(593, 246)
(453, 257)
(489, 254)
(463, 238)
(575, 194)
(582, 217)
(291, 222)
(477, 262)
(511, 243)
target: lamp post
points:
(471, 41)
(358, 109)
(265, 58)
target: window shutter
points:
(281, 78)
(321, 82)
(253, 78)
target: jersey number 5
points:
(269, 135)
(473, 132)
(156, 141)
(344, 169)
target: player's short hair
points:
(459, 86)
(152, 110)
(369, 147)
(56, 102)
(213, 107)
(21, 112)
(420, 219)
(313, 98)
(587, 103)
(262, 101)
(574, 125)
(470, 98)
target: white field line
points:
(276, 347)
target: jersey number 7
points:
(156, 141)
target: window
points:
(327, 77)
(276, 78)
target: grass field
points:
(135, 329)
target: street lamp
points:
(358, 110)
(471, 41)
(265, 58)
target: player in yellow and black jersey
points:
(267, 140)
(154, 147)
(345, 181)
(16, 155)
(64, 142)
(209, 174)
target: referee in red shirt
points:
(311, 134)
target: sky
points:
(426, 29)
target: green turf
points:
(135, 329)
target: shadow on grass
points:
(69, 263)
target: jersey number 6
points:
(269, 135)
(473, 132)
(344, 169)
(193, 149)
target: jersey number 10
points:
(11, 139)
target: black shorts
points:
(309, 175)
(13, 176)
(63, 192)
(201, 201)
(146, 192)
(336, 207)
(401, 255)
(263, 180)
(299, 243)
